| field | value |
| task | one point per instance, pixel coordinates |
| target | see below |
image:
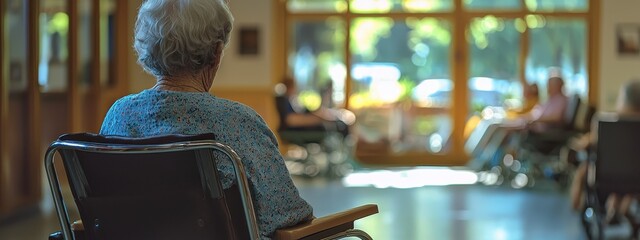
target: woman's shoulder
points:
(238, 107)
(142, 95)
(124, 101)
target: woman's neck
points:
(182, 84)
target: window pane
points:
(386, 6)
(494, 86)
(559, 43)
(495, 53)
(317, 5)
(401, 86)
(555, 6)
(54, 52)
(492, 4)
(316, 60)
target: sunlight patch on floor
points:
(410, 178)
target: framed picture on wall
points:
(249, 41)
(628, 39)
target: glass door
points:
(561, 43)
(494, 86)
(316, 60)
(421, 75)
(500, 76)
(388, 62)
(401, 87)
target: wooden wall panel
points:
(34, 163)
(119, 66)
(95, 88)
(17, 151)
(30, 120)
(15, 166)
(3, 112)
(73, 98)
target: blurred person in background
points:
(628, 104)
(295, 117)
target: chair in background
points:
(539, 153)
(569, 153)
(613, 168)
(316, 151)
(165, 187)
(551, 141)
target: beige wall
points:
(615, 69)
(241, 70)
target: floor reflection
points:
(448, 211)
(410, 178)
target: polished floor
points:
(452, 212)
(425, 212)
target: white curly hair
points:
(176, 37)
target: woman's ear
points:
(218, 54)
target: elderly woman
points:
(180, 42)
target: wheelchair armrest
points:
(78, 231)
(328, 225)
(77, 226)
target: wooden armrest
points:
(321, 224)
(307, 228)
(77, 230)
(77, 226)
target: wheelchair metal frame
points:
(61, 207)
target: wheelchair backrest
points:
(571, 112)
(152, 188)
(617, 159)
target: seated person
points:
(628, 104)
(181, 43)
(547, 115)
(539, 119)
(550, 114)
(484, 136)
(544, 119)
(530, 93)
(531, 100)
(296, 118)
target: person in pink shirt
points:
(508, 134)
(551, 113)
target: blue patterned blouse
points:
(155, 112)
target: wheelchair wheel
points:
(592, 223)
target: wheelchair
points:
(538, 155)
(317, 152)
(166, 187)
(612, 168)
